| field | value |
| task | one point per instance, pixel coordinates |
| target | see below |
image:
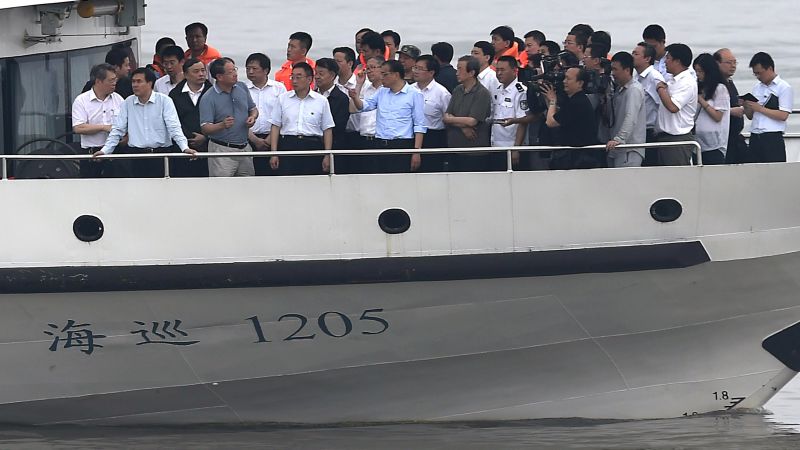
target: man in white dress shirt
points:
(437, 97)
(769, 114)
(172, 59)
(678, 107)
(484, 51)
(265, 93)
(93, 113)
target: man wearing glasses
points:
(400, 122)
(227, 112)
(737, 147)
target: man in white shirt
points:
(769, 114)
(265, 93)
(93, 113)
(172, 59)
(345, 58)
(678, 107)
(509, 101)
(484, 51)
(364, 124)
(656, 36)
(648, 77)
(437, 97)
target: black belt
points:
(300, 137)
(261, 135)
(150, 150)
(368, 138)
(387, 142)
(228, 144)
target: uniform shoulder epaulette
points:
(520, 87)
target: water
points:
(244, 26)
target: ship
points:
(631, 293)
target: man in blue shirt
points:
(227, 112)
(400, 121)
(151, 122)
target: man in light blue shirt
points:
(151, 122)
(400, 121)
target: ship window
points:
(37, 99)
(80, 64)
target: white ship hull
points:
(512, 296)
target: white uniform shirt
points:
(508, 102)
(265, 99)
(683, 92)
(87, 108)
(649, 80)
(489, 79)
(781, 89)
(309, 116)
(163, 85)
(364, 123)
(437, 97)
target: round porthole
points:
(88, 228)
(394, 221)
(666, 210)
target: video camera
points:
(553, 69)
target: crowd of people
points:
(507, 92)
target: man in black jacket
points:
(186, 96)
(443, 53)
(326, 72)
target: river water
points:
(240, 27)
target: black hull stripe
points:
(373, 270)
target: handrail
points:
(334, 153)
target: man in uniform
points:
(93, 113)
(265, 93)
(509, 101)
(227, 112)
(301, 120)
(172, 59)
(296, 52)
(407, 55)
(196, 35)
(186, 97)
(151, 123)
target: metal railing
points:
(4, 159)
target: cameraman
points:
(576, 119)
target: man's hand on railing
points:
(326, 164)
(611, 145)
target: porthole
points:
(394, 221)
(666, 210)
(88, 228)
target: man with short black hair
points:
(576, 43)
(301, 120)
(120, 60)
(265, 93)
(400, 122)
(392, 40)
(325, 76)
(93, 114)
(296, 52)
(533, 42)
(186, 97)
(628, 114)
(370, 45)
(151, 123)
(443, 53)
(227, 112)
(407, 55)
(510, 101)
(602, 39)
(484, 52)
(161, 44)
(737, 152)
(654, 35)
(648, 77)
(769, 114)
(466, 118)
(345, 58)
(574, 115)
(436, 100)
(196, 35)
(172, 59)
(505, 44)
(678, 107)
